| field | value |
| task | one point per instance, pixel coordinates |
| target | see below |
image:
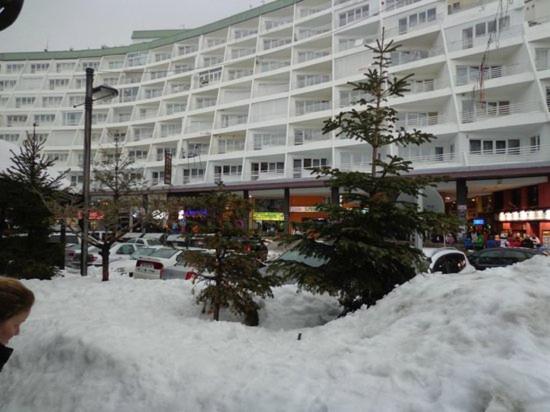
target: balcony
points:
(510, 155)
(410, 120)
(275, 23)
(306, 136)
(421, 86)
(469, 41)
(307, 55)
(228, 120)
(305, 107)
(266, 175)
(305, 33)
(309, 11)
(472, 74)
(195, 127)
(397, 4)
(434, 160)
(457, 6)
(497, 109)
(426, 20)
(409, 56)
(266, 66)
(306, 80)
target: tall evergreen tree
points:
(365, 246)
(229, 271)
(27, 193)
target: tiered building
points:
(243, 99)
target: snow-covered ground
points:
(478, 342)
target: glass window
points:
(480, 29)
(475, 146)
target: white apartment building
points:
(243, 99)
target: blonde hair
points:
(14, 298)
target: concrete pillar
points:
(335, 195)
(246, 219)
(462, 202)
(286, 210)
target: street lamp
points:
(92, 94)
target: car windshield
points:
(296, 256)
(164, 253)
(153, 242)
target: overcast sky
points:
(82, 24)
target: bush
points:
(22, 259)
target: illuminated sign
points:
(524, 215)
(303, 209)
(272, 216)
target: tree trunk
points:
(217, 301)
(105, 261)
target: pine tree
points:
(27, 196)
(230, 272)
(365, 246)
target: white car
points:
(118, 251)
(447, 260)
(151, 267)
(126, 267)
(144, 242)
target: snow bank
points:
(478, 342)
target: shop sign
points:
(269, 216)
(524, 215)
(303, 209)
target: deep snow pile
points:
(477, 342)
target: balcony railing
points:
(470, 42)
(421, 86)
(259, 175)
(431, 21)
(419, 119)
(493, 72)
(457, 7)
(491, 110)
(409, 56)
(272, 65)
(199, 127)
(308, 11)
(299, 172)
(304, 33)
(519, 154)
(397, 4)
(233, 120)
(311, 107)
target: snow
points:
(476, 342)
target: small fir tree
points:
(365, 246)
(229, 271)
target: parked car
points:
(500, 256)
(445, 260)
(144, 242)
(118, 251)
(128, 266)
(150, 267)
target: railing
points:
(299, 172)
(305, 12)
(490, 110)
(272, 65)
(409, 56)
(233, 120)
(399, 30)
(274, 43)
(397, 4)
(488, 73)
(237, 53)
(273, 24)
(304, 56)
(227, 177)
(519, 154)
(303, 33)
(470, 42)
(418, 119)
(457, 7)
(311, 80)
(189, 154)
(311, 107)
(421, 86)
(259, 175)
(199, 127)
(309, 136)
(433, 158)
(237, 74)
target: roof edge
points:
(145, 46)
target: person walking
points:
(15, 306)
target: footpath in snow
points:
(478, 342)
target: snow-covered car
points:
(127, 267)
(151, 267)
(499, 256)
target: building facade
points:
(243, 99)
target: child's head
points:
(15, 305)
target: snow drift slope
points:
(477, 342)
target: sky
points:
(82, 24)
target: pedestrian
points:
(15, 306)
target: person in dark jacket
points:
(15, 306)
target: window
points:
(91, 65)
(14, 67)
(487, 147)
(24, 101)
(534, 144)
(450, 263)
(58, 83)
(9, 137)
(533, 196)
(44, 118)
(352, 15)
(500, 146)
(480, 29)
(51, 101)
(7, 84)
(475, 146)
(39, 67)
(513, 146)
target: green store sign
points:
(272, 216)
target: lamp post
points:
(92, 94)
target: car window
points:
(450, 263)
(126, 250)
(516, 254)
(154, 242)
